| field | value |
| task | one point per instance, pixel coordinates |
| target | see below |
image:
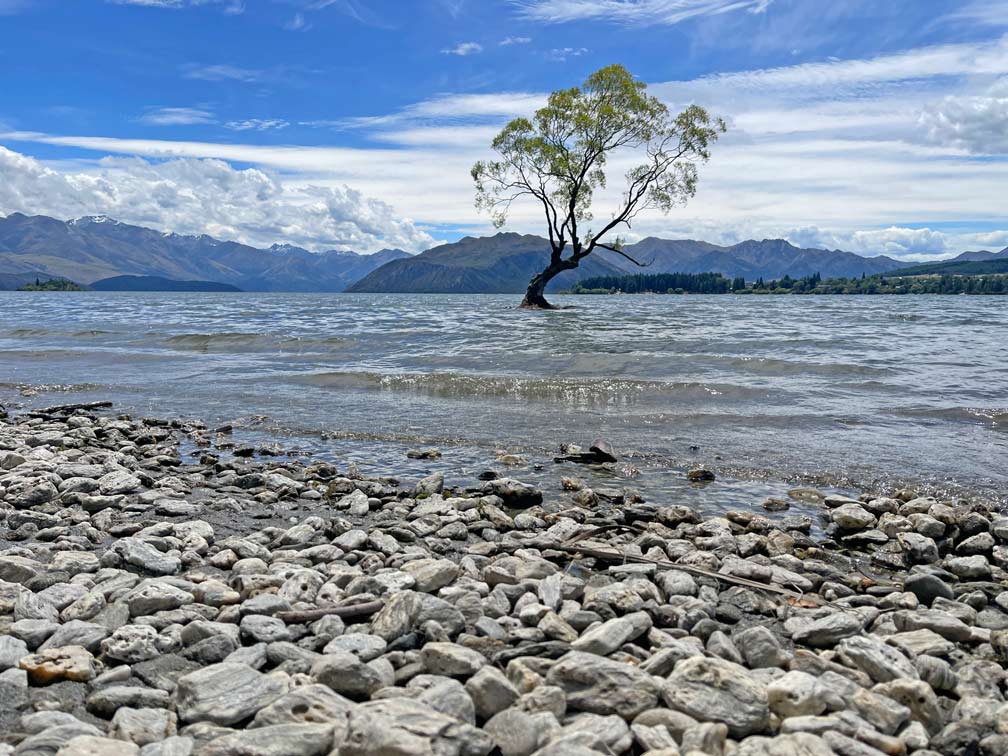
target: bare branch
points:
(624, 254)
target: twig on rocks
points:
(344, 612)
(622, 557)
(66, 409)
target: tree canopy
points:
(558, 159)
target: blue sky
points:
(870, 126)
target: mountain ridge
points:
(92, 248)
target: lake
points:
(840, 392)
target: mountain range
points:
(88, 250)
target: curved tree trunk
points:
(535, 298)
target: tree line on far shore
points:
(716, 283)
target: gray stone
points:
(143, 556)
(491, 692)
(91, 745)
(278, 740)
(402, 726)
(610, 635)
(142, 726)
(362, 645)
(827, 631)
(156, 596)
(347, 675)
(602, 686)
(881, 662)
(451, 659)
(131, 644)
(12, 650)
(715, 690)
(307, 704)
(225, 693)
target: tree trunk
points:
(535, 298)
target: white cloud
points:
(177, 117)
(514, 41)
(977, 123)
(221, 72)
(207, 196)
(463, 49)
(298, 23)
(642, 12)
(257, 124)
(987, 12)
(561, 54)
(893, 241)
(231, 7)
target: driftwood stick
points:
(345, 612)
(66, 409)
(611, 555)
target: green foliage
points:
(53, 284)
(715, 283)
(671, 283)
(558, 158)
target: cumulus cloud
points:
(978, 123)
(641, 12)
(893, 241)
(463, 49)
(194, 196)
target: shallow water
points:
(844, 392)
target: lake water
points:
(841, 392)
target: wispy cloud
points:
(178, 117)
(258, 124)
(640, 12)
(987, 12)
(221, 72)
(463, 49)
(515, 41)
(231, 7)
(298, 23)
(561, 54)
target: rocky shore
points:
(162, 602)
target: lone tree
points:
(558, 159)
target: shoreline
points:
(191, 605)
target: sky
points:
(875, 127)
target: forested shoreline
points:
(715, 283)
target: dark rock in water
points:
(489, 475)
(603, 450)
(776, 505)
(927, 587)
(700, 475)
(424, 454)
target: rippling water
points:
(844, 391)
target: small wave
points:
(566, 390)
(28, 333)
(993, 417)
(225, 342)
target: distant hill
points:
(10, 281)
(499, 264)
(504, 264)
(768, 259)
(156, 283)
(989, 263)
(94, 248)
